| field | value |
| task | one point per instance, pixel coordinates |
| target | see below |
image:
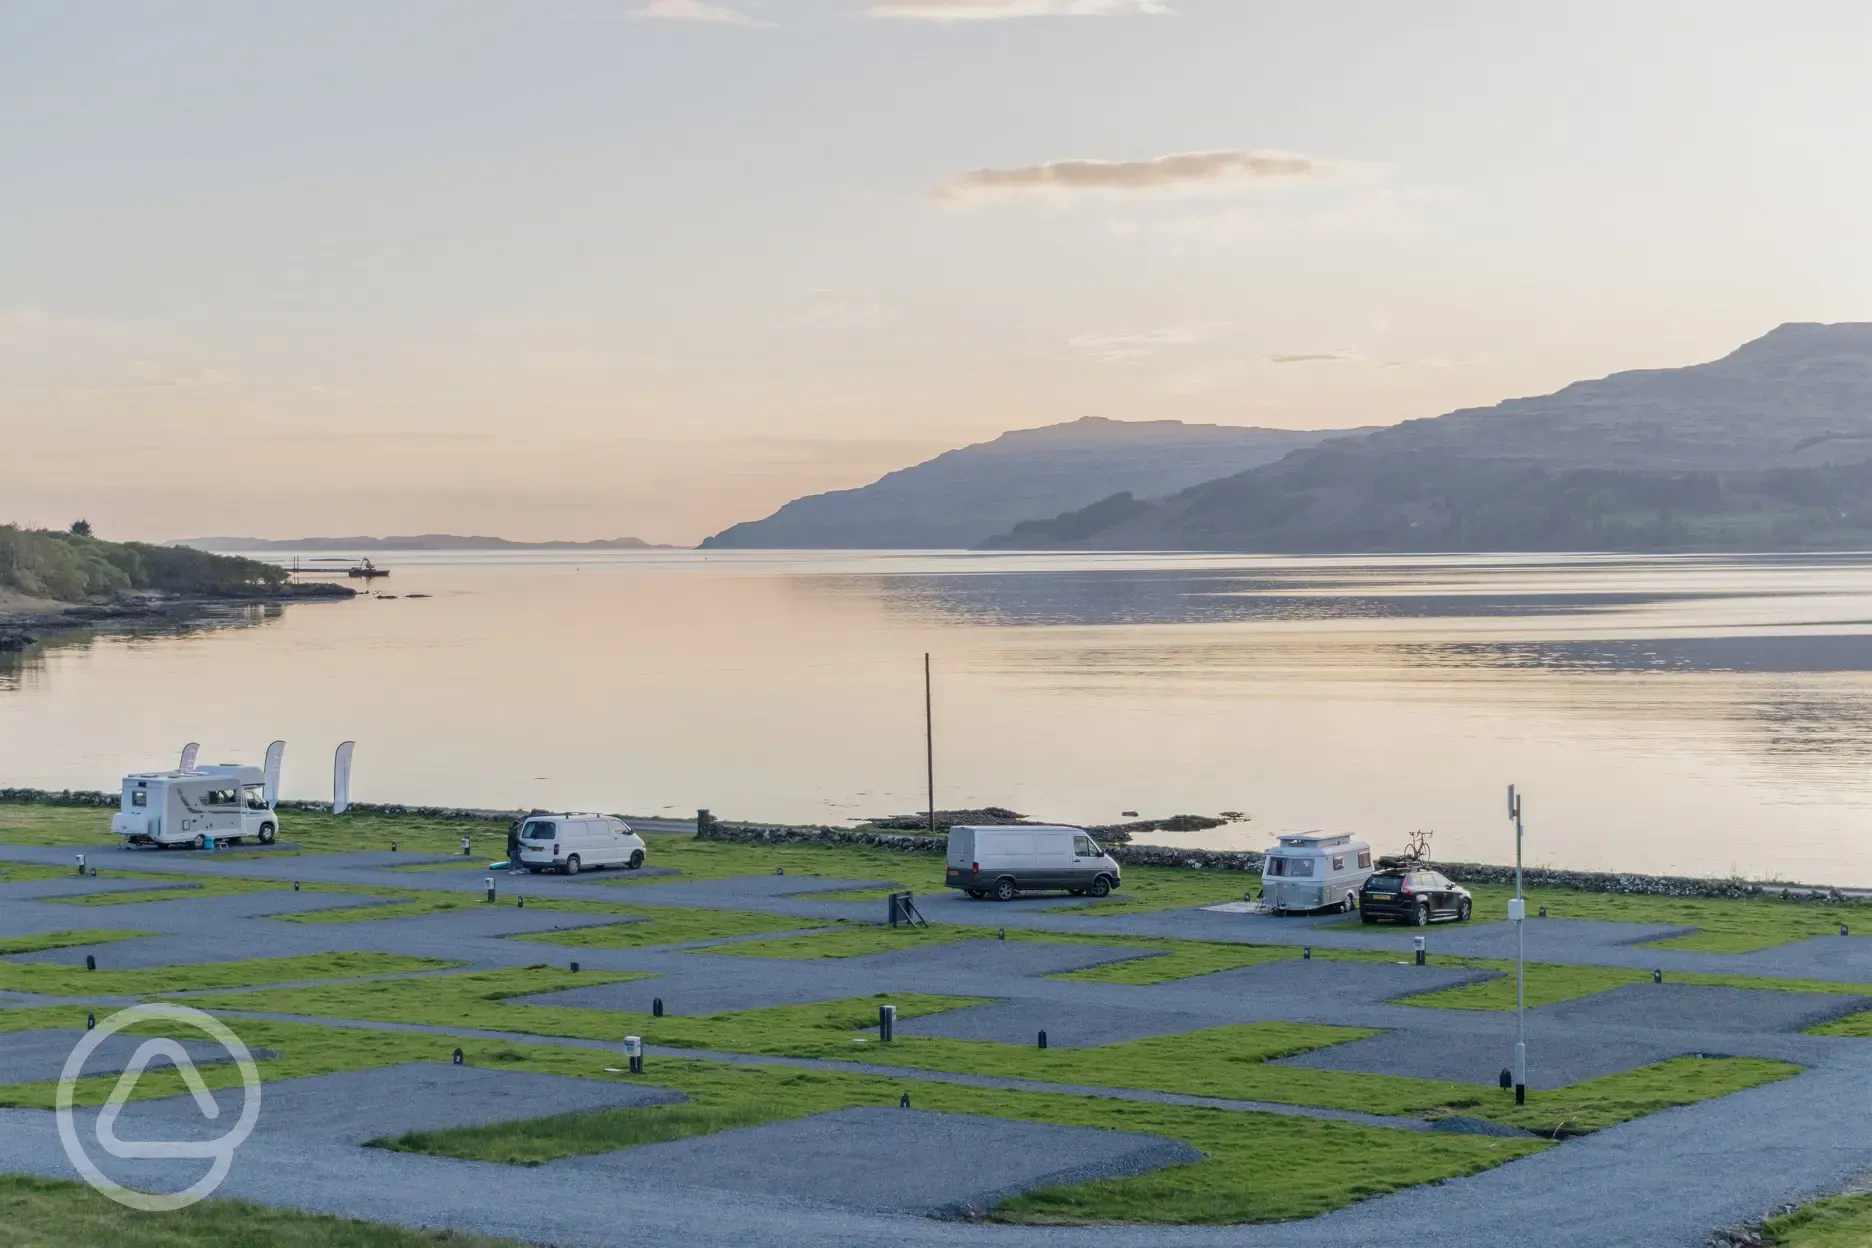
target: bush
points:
(71, 567)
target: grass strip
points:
(850, 942)
(60, 980)
(48, 1213)
(12, 945)
(669, 925)
(1841, 1222)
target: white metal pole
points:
(1520, 1004)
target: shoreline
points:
(47, 619)
(1244, 861)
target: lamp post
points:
(1517, 910)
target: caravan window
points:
(1364, 859)
(1338, 862)
(1290, 866)
(140, 797)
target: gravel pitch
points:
(32, 1056)
(992, 957)
(934, 1164)
(356, 1106)
(1555, 1058)
(1692, 1008)
(1067, 1026)
(1312, 983)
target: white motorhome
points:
(571, 843)
(1004, 861)
(225, 803)
(1315, 871)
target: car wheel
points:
(1101, 887)
(1423, 914)
(1462, 911)
(976, 893)
(572, 865)
(636, 859)
(1004, 889)
(200, 841)
(266, 834)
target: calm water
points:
(1668, 714)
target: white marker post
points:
(1517, 911)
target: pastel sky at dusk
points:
(584, 269)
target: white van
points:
(1315, 871)
(572, 843)
(1009, 860)
(225, 803)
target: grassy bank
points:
(55, 979)
(44, 1213)
(1842, 1222)
(71, 567)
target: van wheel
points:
(200, 841)
(1004, 889)
(1101, 887)
(572, 865)
(636, 859)
(976, 893)
(266, 834)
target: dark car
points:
(1420, 896)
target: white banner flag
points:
(341, 778)
(188, 756)
(275, 755)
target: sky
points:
(577, 269)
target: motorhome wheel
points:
(200, 841)
(266, 834)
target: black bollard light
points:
(633, 1047)
(465, 850)
(90, 1022)
(1306, 953)
(1520, 1093)
(779, 870)
(903, 1102)
(295, 886)
(656, 1007)
(80, 858)
(458, 1057)
(489, 882)
(1543, 912)
(1001, 933)
(1657, 977)
(575, 968)
(1043, 1039)
(393, 847)
(1423, 953)
(1842, 929)
(519, 903)
(1507, 1078)
(90, 962)
(887, 1022)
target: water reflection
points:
(26, 669)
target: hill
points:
(420, 541)
(68, 567)
(962, 497)
(1769, 447)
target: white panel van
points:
(1004, 861)
(225, 803)
(571, 843)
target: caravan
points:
(226, 804)
(1315, 871)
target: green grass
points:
(539, 1140)
(1842, 1222)
(1859, 1025)
(1549, 983)
(849, 942)
(1596, 1103)
(45, 1213)
(13, 945)
(57, 979)
(670, 925)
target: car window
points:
(539, 830)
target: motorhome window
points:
(538, 831)
(219, 797)
(140, 798)
(1364, 859)
(1338, 862)
(256, 797)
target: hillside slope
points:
(1769, 447)
(965, 496)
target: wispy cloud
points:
(1316, 357)
(1000, 10)
(1181, 174)
(695, 11)
(1135, 348)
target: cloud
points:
(1135, 348)
(1315, 357)
(695, 11)
(999, 10)
(1181, 174)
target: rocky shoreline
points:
(129, 612)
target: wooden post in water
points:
(929, 743)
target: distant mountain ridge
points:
(1769, 447)
(420, 541)
(965, 496)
